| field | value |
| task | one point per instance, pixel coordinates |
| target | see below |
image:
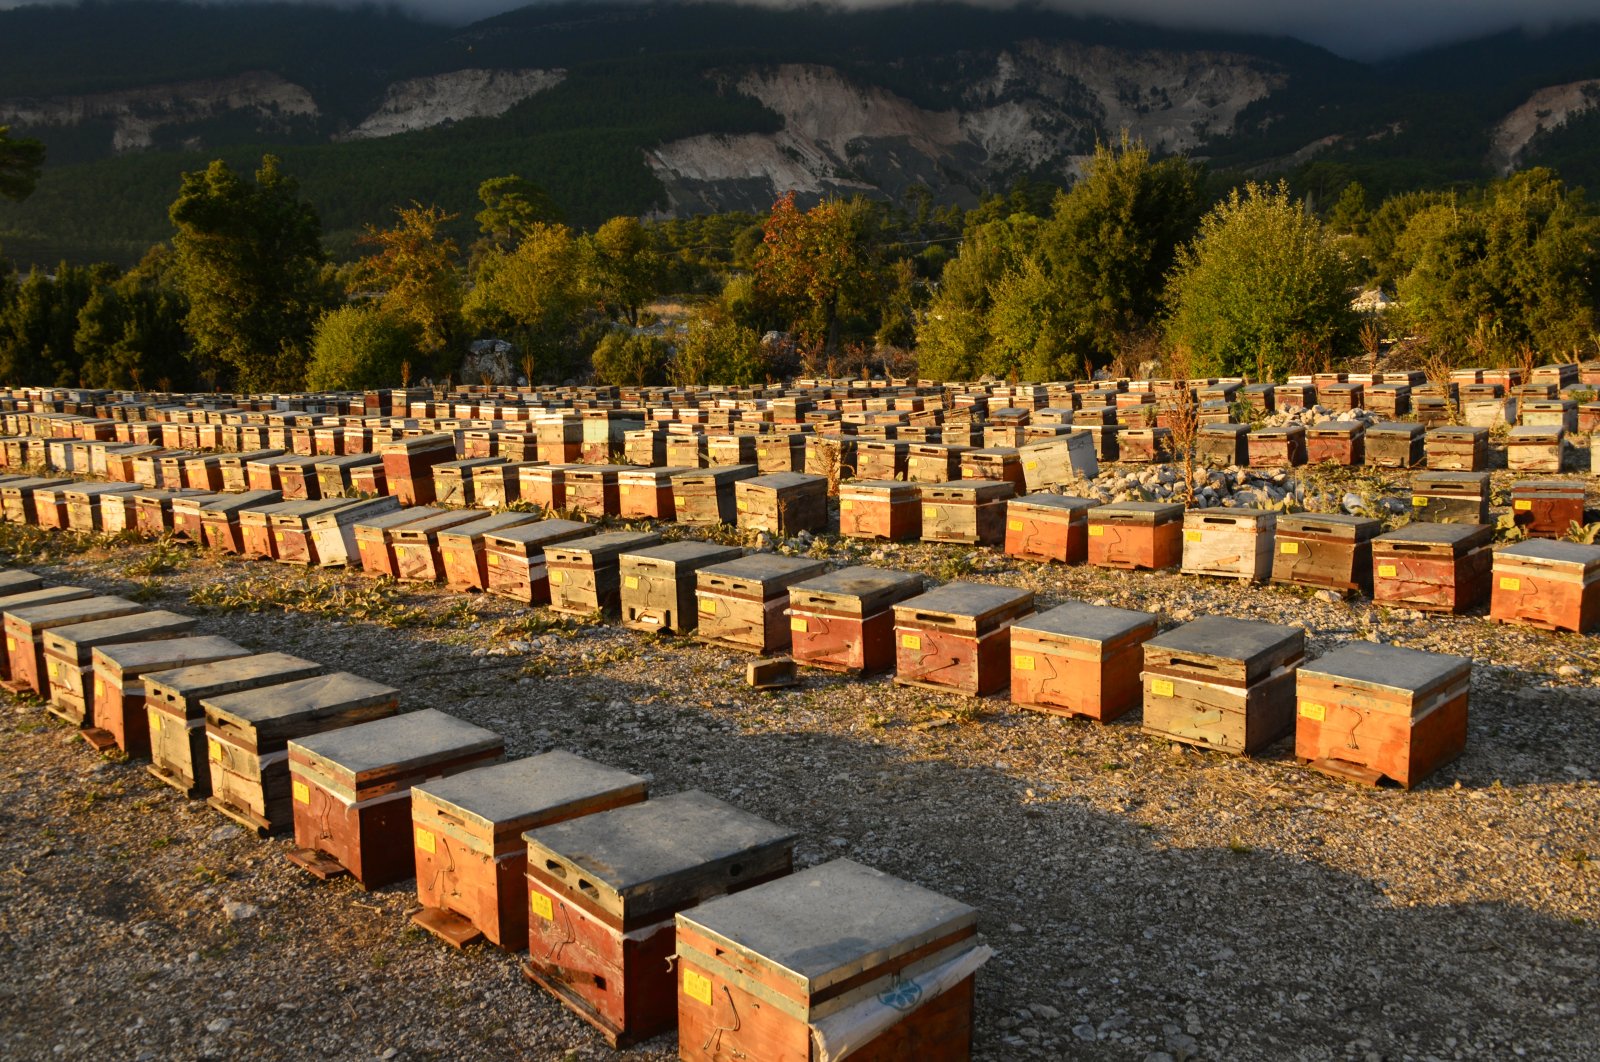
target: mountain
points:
(673, 108)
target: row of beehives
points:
(551, 852)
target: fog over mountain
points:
(1361, 29)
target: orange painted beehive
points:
(416, 544)
(69, 656)
(1079, 659)
(514, 558)
(958, 637)
(1283, 446)
(25, 627)
(1336, 442)
(408, 465)
(1432, 567)
(844, 620)
(593, 490)
(1373, 712)
(647, 493)
(880, 509)
(375, 539)
(1547, 583)
(741, 603)
(1049, 527)
(1136, 535)
(462, 548)
(1548, 509)
(118, 711)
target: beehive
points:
(462, 548)
(471, 860)
(375, 541)
(1079, 659)
(50, 507)
(1144, 445)
(1222, 683)
(1457, 449)
(1450, 497)
(351, 790)
(1393, 444)
(1389, 400)
(585, 573)
(248, 734)
(998, 464)
(1535, 449)
(1229, 543)
(84, 504)
(1547, 509)
(723, 451)
(603, 891)
(831, 958)
(515, 562)
(645, 447)
(559, 439)
(593, 490)
(69, 656)
(968, 511)
(783, 504)
(1277, 447)
(686, 449)
(1553, 413)
(335, 475)
(933, 462)
(15, 581)
(1222, 445)
(844, 620)
(332, 531)
(178, 753)
(1546, 583)
(118, 702)
(880, 509)
(31, 598)
(740, 603)
(958, 637)
(781, 452)
(544, 485)
(1063, 459)
(1136, 535)
(881, 459)
(705, 496)
(416, 544)
(16, 497)
(1432, 567)
(1370, 712)
(1341, 397)
(1336, 442)
(408, 466)
(1333, 551)
(25, 627)
(1048, 527)
(647, 493)
(658, 584)
(297, 478)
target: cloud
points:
(1363, 29)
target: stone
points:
(238, 911)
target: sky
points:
(1360, 29)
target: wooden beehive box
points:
(408, 465)
(1283, 446)
(831, 456)
(603, 891)
(332, 531)
(18, 500)
(1532, 448)
(515, 562)
(958, 637)
(559, 439)
(248, 734)
(1063, 459)
(32, 598)
(881, 459)
(705, 496)
(351, 789)
(544, 485)
(782, 504)
(686, 449)
(1554, 413)
(1222, 445)
(1389, 399)
(593, 490)
(178, 753)
(25, 627)
(645, 447)
(723, 451)
(416, 544)
(1452, 448)
(1048, 527)
(836, 955)
(1144, 445)
(188, 515)
(463, 548)
(1338, 442)
(1393, 444)
(297, 478)
(1342, 397)
(740, 603)
(1330, 550)
(971, 511)
(69, 656)
(336, 475)
(471, 860)
(1222, 683)
(1432, 567)
(234, 469)
(1450, 497)
(844, 620)
(1136, 535)
(646, 493)
(933, 462)
(1547, 583)
(1229, 543)
(780, 452)
(453, 482)
(118, 708)
(374, 536)
(497, 486)
(289, 524)
(1549, 508)
(658, 584)
(1373, 712)
(997, 464)
(15, 581)
(881, 509)
(585, 573)
(84, 504)
(50, 507)
(1079, 659)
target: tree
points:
(511, 208)
(1262, 284)
(716, 350)
(250, 264)
(623, 267)
(39, 324)
(630, 360)
(414, 275)
(20, 162)
(953, 335)
(360, 346)
(819, 264)
(1033, 334)
(531, 295)
(131, 333)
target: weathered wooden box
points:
(958, 637)
(559, 439)
(1341, 397)
(153, 509)
(880, 509)
(1554, 413)
(18, 501)
(44, 595)
(1371, 712)
(471, 860)
(1547, 509)
(1389, 400)
(645, 447)
(351, 790)
(248, 734)
(1063, 459)
(844, 620)
(647, 493)
(118, 710)
(1336, 442)
(780, 452)
(585, 573)
(881, 459)
(15, 581)
(832, 457)
(408, 465)
(658, 584)
(515, 562)
(705, 496)
(971, 511)
(1136, 535)
(25, 627)
(1222, 445)
(463, 548)
(1457, 449)
(1222, 683)
(1394, 444)
(1277, 447)
(1079, 659)
(996, 464)
(723, 451)
(50, 507)
(1450, 497)
(417, 556)
(835, 957)
(178, 753)
(84, 504)
(603, 891)
(336, 475)
(783, 504)
(69, 656)
(741, 603)
(236, 469)
(332, 531)
(593, 490)
(375, 539)
(1049, 527)
(686, 449)
(297, 478)
(1432, 567)
(544, 485)
(1330, 550)
(1229, 543)
(1547, 583)
(933, 462)
(1144, 445)
(1532, 448)
(454, 483)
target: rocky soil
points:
(1146, 901)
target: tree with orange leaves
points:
(412, 271)
(820, 264)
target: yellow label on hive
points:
(1387, 571)
(797, 624)
(494, 560)
(1419, 501)
(425, 840)
(1289, 547)
(99, 687)
(55, 668)
(277, 536)
(214, 750)
(1315, 712)
(1522, 506)
(1193, 536)
(910, 641)
(558, 577)
(1022, 663)
(631, 582)
(708, 606)
(1030, 465)
(539, 904)
(11, 644)
(1161, 687)
(1095, 531)
(739, 504)
(302, 793)
(697, 986)
(847, 503)
(930, 512)
(1511, 584)
(1014, 525)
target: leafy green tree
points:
(716, 350)
(630, 360)
(131, 333)
(531, 295)
(414, 273)
(623, 267)
(39, 324)
(1262, 285)
(250, 264)
(20, 161)
(1349, 214)
(512, 207)
(953, 335)
(1383, 230)
(359, 346)
(1033, 333)
(820, 265)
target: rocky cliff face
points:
(425, 102)
(1545, 110)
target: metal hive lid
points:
(1389, 667)
(1457, 535)
(131, 626)
(781, 481)
(298, 697)
(874, 487)
(398, 741)
(687, 553)
(966, 599)
(540, 532)
(134, 658)
(1453, 479)
(1079, 619)
(762, 567)
(1394, 427)
(80, 610)
(227, 674)
(860, 582)
(488, 525)
(528, 787)
(1053, 501)
(1254, 643)
(397, 518)
(1143, 511)
(610, 544)
(1555, 551)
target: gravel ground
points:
(1146, 901)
